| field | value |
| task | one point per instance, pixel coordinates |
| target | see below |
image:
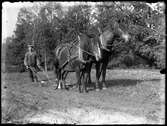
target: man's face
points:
(29, 48)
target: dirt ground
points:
(132, 97)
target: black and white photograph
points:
(83, 62)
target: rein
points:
(83, 50)
(67, 62)
(73, 43)
(74, 57)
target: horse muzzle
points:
(126, 37)
(98, 57)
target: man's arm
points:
(25, 61)
(37, 61)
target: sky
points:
(10, 12)
(9, 17)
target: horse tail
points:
(56, 64)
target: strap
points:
(64, 64)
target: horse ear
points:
(99, 30)
(79, 38)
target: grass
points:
(21, 97)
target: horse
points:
(106, 39)
(76, 57)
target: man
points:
(32, 63)
(163, 71)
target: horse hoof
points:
(80, 91)
(66, 87)
(97, 89)
(55, 88)
(59, 87)
(104, 88)
(86, 91)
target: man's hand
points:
(41, 69)
(26, 67)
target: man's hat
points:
(30, 45)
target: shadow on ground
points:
(120, 82)
(125, 82)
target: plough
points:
(42, 81)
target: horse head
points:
(110, 35)
(124, 35)
(89, 46)
(95, 47)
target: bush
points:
(21, 68)
(17, 106)
(11, 68)
(128, 61)
(15, 68)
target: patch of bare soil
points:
(132, 97)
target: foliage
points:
(50, 24)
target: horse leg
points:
(97, 75)
(64, 75)
(61, 85)
(86, 78)
(59, 80)
(104, 68)
(78, 77)
(89, 74)
(57, 72)
(83, 81)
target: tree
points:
(145, 26)
(49, 24)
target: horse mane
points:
(58, 49)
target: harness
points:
(60, 50)
(109, 45)
(68, 46)
(102, 45)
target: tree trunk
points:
(45, 63)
